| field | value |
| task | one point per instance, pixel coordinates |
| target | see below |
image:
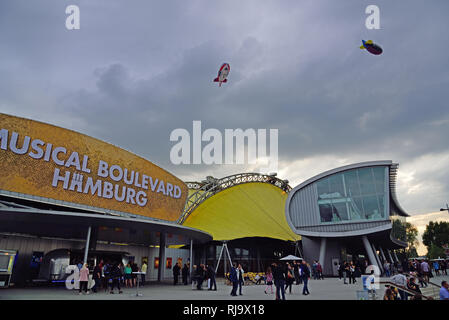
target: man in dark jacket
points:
(115, 275)
(185, 273)
(305, 274)
(296, 272)
(211, 276)
(176, 269)
(279, 276)
(234, 279)
(96, 277)
(199, 275)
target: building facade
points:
(346, 214)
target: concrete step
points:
(431, 292)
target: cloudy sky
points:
(136, 70)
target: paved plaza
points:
(327, 289)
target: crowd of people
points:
(411, 275)
(419, 275)
(110, 275)
(203, 273)
(280, 275)
(351, 270)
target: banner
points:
(38, 159)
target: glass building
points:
(346, 214)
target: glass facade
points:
(354, 195)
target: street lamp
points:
(447, 208)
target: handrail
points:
(411, 292)
(211, 186)
(429, 282)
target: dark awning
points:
(74, 225)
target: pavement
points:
(327, 289)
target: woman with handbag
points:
(290, 278)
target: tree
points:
(435, 252)
(436, 233)
(406, 232)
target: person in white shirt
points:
(240, 273)
(425, 269)
(400, 280)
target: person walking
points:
(345, 271)
(128, 276)
(144, 272)
(233, 277)
(185, 273)
(387, 268)
(269, 280)
(122, 272)
(176, 270)
(115, 276)
(296, 272)
(105, 275)
(425, 270)
(193, 276)
(96, 276)
(279, 277)
(290, 278)
(305, 273)
(84, 278)
(319, 270)
(200, 275)
(436, 267)
(444, 267)
(211, 277)
(241, 280)
(314, 274)
(352, 273)
(134, 269)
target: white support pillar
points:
(86, 250)
(323, 252)
(370, 252)
(377, 259)
(397, 260)
(383, 254)
(160, 271)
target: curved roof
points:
(349, 228)
(253, 209)
(393, 173)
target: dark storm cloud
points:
(137, 70)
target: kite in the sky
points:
(223, 73)
(371, 47)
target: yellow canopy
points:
(245, 210)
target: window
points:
(353, 195)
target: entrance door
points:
(335, 262)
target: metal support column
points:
(379, 264)
(323, 252)
(395, 255)
(370, 252)
(160, 271)
(86, 250)
(383, 254)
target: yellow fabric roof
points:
(246, 210)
